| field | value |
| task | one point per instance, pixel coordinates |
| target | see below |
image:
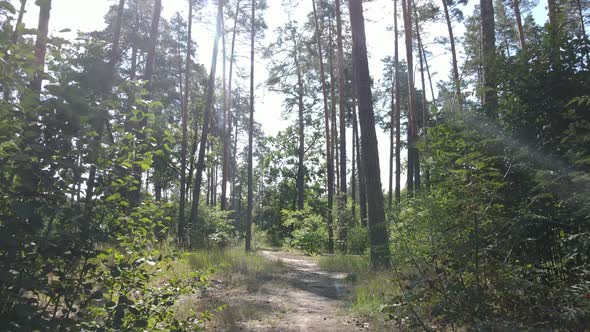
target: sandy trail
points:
(301, 298)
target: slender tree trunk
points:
(113, 59)
(329, 160)
(333, 108)
(391, 141)
(397, 109)
(412, 154)
(353, 171)
(342, 199)
(359, 164)
(223, 132)
(251, 132)
(581, 14)
(518, 16)
(429, 77)
(378, 237)
(227, 150)
(488, 43)
(424, 101)
(301, 131)
(148, 75)
(184, 143)
(235, 175)
(41, 45)
(456, 79)
(206, 123)
(14, 40)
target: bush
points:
(310, 234)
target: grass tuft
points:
(341, 263)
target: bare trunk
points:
(329, 159)
(184, 143)
(378, 237)
(113, 58)
(458, 97)
(360, 166)
(518, 16)
(333, 108)
(251, 133)
(581, 14)
(424, 101)
(342, 199)
(488, 43)
(228, 117)
(412, 154)
(397, 110)
(301, 150)
(41, 45)
(206, 123)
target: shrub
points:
(310, 234)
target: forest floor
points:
(297, 297)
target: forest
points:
(307, 165)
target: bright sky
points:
(87, 15)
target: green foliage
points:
(310, 234)
(358, 240)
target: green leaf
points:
(7, 6)
(140, 323)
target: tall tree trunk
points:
(148, 76)
(424, 101)
(329, 159)
(113, 58)
(412, 153)
(14, 40)
(581, 14)
(228, 116)
(206, 123)
(398, 164)
(391, 141)
(488, 44)
(251, 132)
(343, 229)
(378, 237)
(333, 107)
(41, 45)
(184, 143)
(458, 97)
(361, 169)
(518, 16)
(301, 150)
(223, 132)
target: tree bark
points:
(41, 45)
(488, 43)
(456, 79)
(251, 132)
(378, 237)
(206, 123)
(361, 169)
(329, 159)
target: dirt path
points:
(300, 298)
